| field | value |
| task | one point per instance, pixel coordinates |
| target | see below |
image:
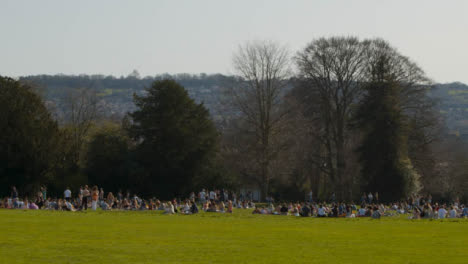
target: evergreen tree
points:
(108, 158)
(386, 167)
(176, 139)
(27, 138)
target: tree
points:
(108, 158)
(27, 139)
(386, 167)
(332, 69)
(82, 109)
(176, 139)
(334, 77)
(263, 69)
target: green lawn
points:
(150, 237)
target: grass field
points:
(150, 237)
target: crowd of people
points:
(351, 210)
(224, 201)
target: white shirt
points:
(67, 193)
(442, 213)
(362, 212)
(453, 213)
(321, 211)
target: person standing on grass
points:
(67, 194)
(14, 196)
(310, 196)
(212, 195)
(44, 192)
(101, 195)
(85, 195)
(94, 197)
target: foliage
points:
(384, 150)
(176, 139)
(108, 158)
(27, 139)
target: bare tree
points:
(82, 108)
(333, 68)
(264, 70)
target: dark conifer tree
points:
(27, 139)
(386, 167)
(176, 139)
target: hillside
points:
(116, 94)
(453, 105)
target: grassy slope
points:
(149, 237)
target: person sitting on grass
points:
(284, 210)
(321, 211)
(295, 211)
(428, 212)
(193, 207)
(23, 204)
(185, 209)
(256, 211)
(305, 210)
(464, 211)
(229, 210)
(69, 206)
(442, 212)
(110, 199)
(369, 211)
(104, 206)
(453, 212)
(221, 207)
(334, 211)
(169, 209)
(376, 213)
(362, 211)
(349, 212)
(212, 207)
(33, 206)
(206, 206)
(159, 205)
(271, 208)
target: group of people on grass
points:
(224, 201)
(351, 210)
(93, 198)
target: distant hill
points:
(453, 105)
(116, 94)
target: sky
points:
(114, 37)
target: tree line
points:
(341, 116)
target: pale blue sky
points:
(117, 36)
